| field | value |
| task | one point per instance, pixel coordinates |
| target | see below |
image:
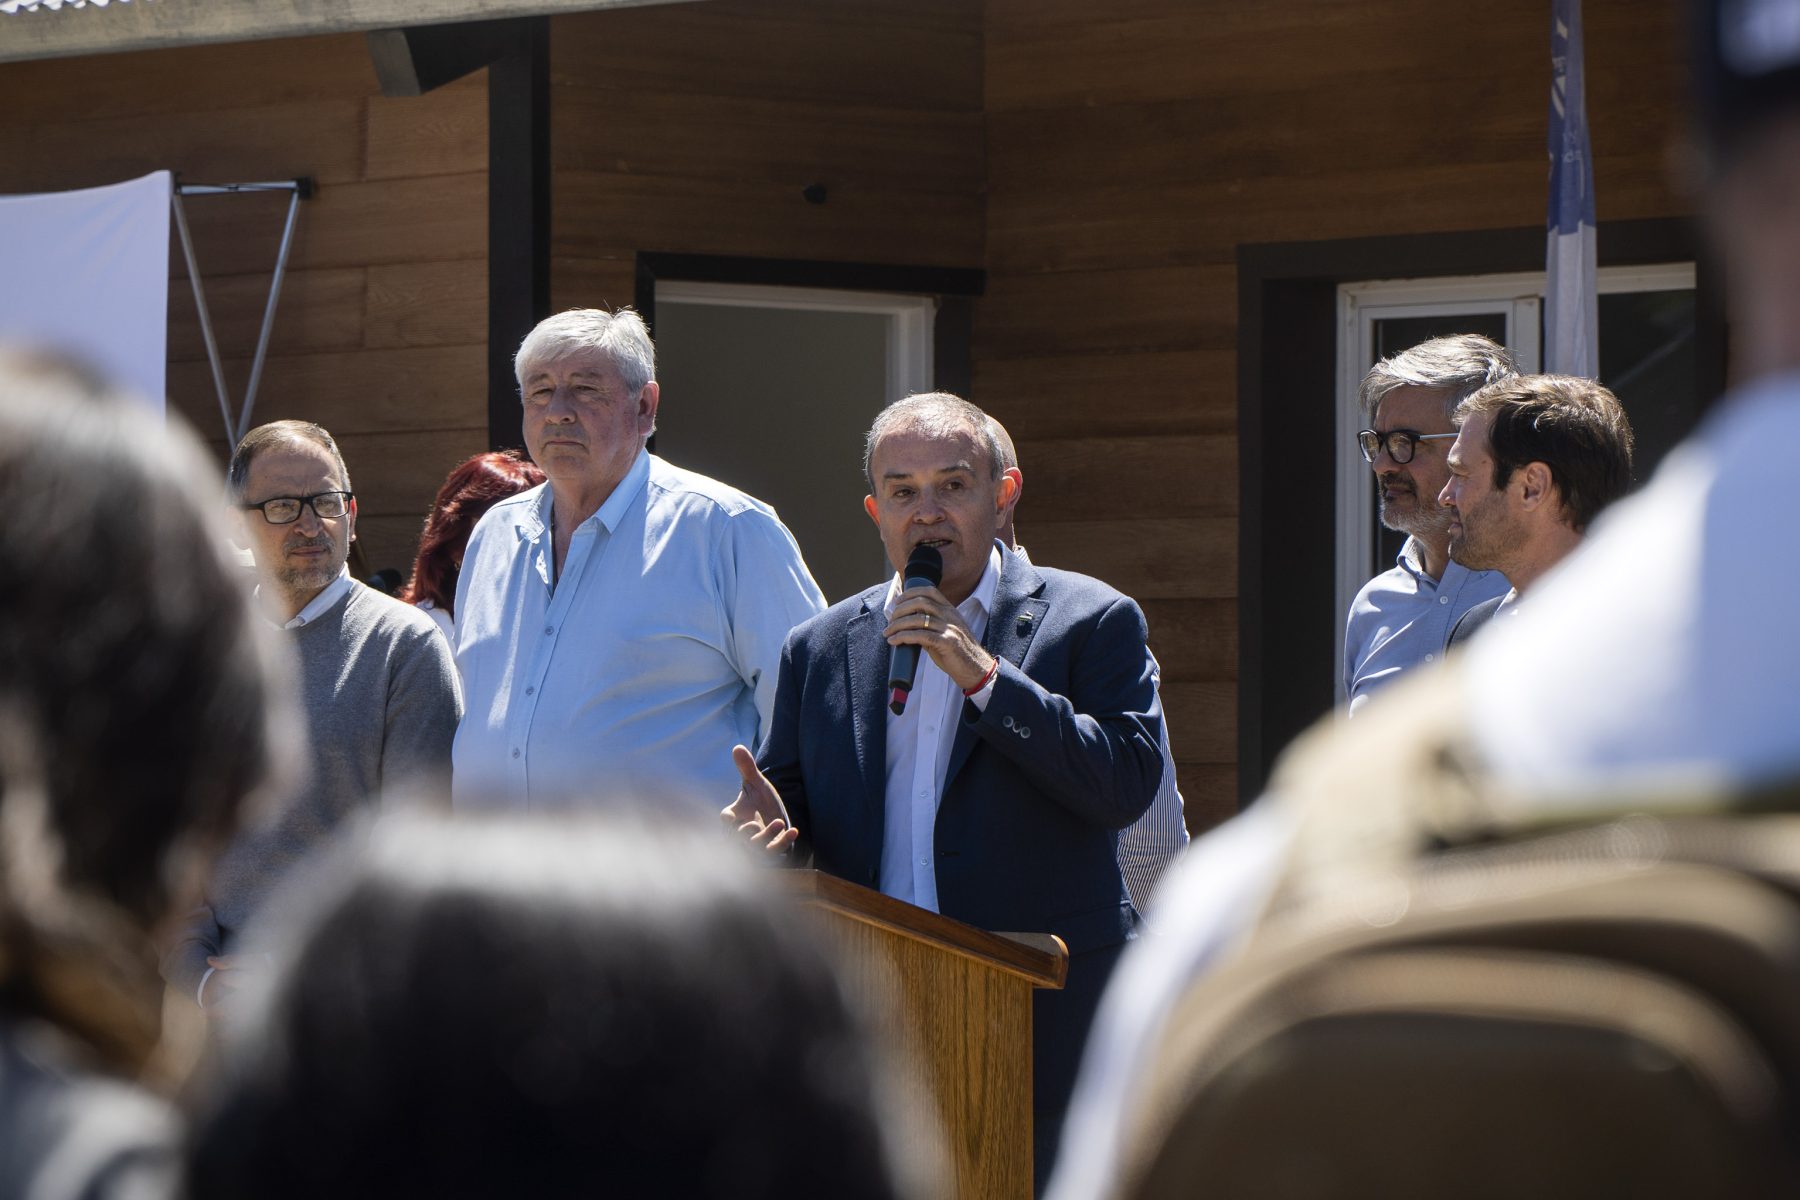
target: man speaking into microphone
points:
(1026, 741)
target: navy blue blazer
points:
(1039, 784)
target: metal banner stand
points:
(299, 189)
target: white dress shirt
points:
(318, 606)
(918, 755)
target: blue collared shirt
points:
(631, 676)
(1403, 617)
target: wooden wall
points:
(1133, 146)
(381, 329)
(693, 128)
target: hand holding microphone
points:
(927, 620)
(924, 569)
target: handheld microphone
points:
(924, 569)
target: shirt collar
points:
(318, 606)
(980, 600)
(608, 514)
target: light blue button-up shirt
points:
(1403, 618)
(630, 678)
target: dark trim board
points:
(518, 214)
(955, 288)
(1287, 368)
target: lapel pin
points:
(1024, 625)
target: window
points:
(1647, 357)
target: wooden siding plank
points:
(345, 225)
(1165, 308)
(1209, 793)
(232, 144)
(1136, 53)
(592, 283)
(607, 215)
(1194, 640)
(758, 49)
(190, 79)
(409, 391)
(1102, 478)
(1121, 226)
(318, 310)
(1129, 394)
(427, 304)
(751, 139)
(1153, 558)
(398, 474)
(1202, 720)
(443, 132)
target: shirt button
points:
(531, 691)
(515, 752)
(1430, 657)
(549, 629)
(1443, 599)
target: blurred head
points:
(138, 694)
(1747, 67)
(1415, 393)
(933, 463)
(548, 1009)
(298, 549)
(475, 486)
(587, 379)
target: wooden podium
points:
(963, 996)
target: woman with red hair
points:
(471, 489)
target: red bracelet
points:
(984, 679)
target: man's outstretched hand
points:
(758, 814)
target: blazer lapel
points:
(1018, 614)
(867, 652)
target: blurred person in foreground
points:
(1536, 459)
(567, 1008)
(137, 714)
(1656, 669)
(473, 487)
(618, 629)
(377, 686)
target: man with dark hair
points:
(1402, 618)
(1535, 460)
(377, 684)
(997, 794)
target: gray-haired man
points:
(618, 627)
(1403, 617)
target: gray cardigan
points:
(381, 701)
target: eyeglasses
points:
(1399, 443)
(285, 510)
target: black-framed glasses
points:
(1399, 443)
(285, 510)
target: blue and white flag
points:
(1571, 309)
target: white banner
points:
(87, 273)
